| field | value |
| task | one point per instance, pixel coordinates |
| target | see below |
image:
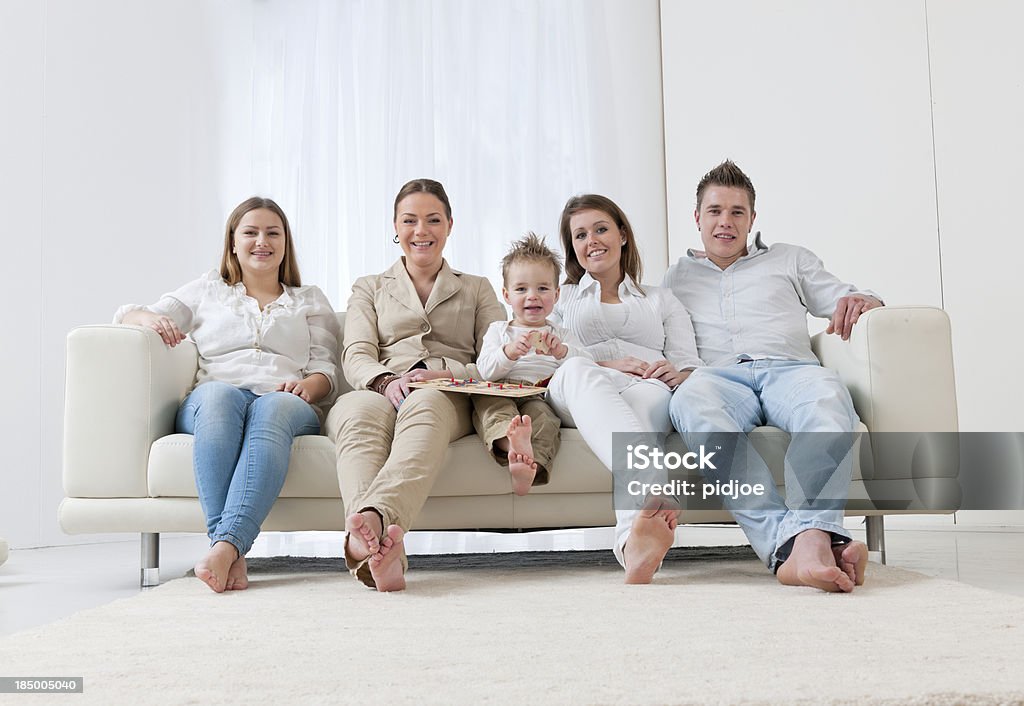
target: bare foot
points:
(363, 530)
(812, 563)
(852, 558)
(386, 565)
(238, 576)
(213, 568)
(521, 465)
(649, 540)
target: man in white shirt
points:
(749, 304)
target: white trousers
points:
(600, 401)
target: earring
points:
(623, 241)
(395, 239)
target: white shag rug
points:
(537, 628)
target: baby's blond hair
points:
(530, 248)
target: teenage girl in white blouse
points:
(643, 341)
(267, 353)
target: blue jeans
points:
(719, 406)
(240, 454)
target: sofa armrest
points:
(123, 387)
(898, 366)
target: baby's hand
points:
(554, 345)
(538, 340)
(516, 349)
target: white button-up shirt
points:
(757, 307)
(657, 326)
(294, 336)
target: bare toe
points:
(386, 565)
(213, 568)
(361, 541)
(852, 558)
(238, 576)
(650, 538)
(521, 464)
(207, 575)
(523, 470)
(812, 563)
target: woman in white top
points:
(643, 342)
(267, 353)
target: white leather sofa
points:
(125, 470)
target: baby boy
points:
(524, 433)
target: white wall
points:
(829, 108)
(977, 64)
(21, 144)
(112, 120)
(884, 135)
(825, 106)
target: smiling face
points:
(422, 228)
(725, 218)
(597, 241)
(259, 242)
(531, 289)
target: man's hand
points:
(848, 310)
(667, 373)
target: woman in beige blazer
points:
(416, 321)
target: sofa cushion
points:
(468, 470)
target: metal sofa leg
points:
(150, 559)
(876, 537)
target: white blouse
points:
(656, 325)
(294, 336)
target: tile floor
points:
(38, 586)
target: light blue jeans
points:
(718, 406)
(240, 454)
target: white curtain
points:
(508, 104)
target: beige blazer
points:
(388, 330)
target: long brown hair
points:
(629, 264)
(231, 270)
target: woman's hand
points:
(163, 325)
(398, 389)
(666, 372)
(629, 364)
(311, 389)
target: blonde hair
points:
(530, 248)
(231, 270)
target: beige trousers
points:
(387, 459)
(491, 423)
